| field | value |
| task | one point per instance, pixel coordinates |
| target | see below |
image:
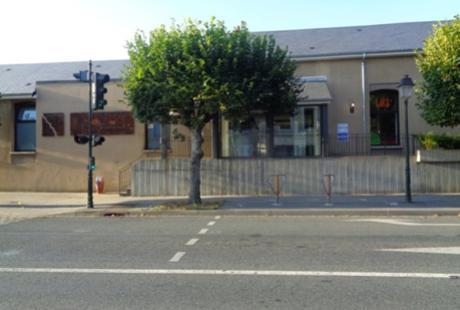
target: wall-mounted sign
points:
(104, 123)
(52, 124)
(342, 131)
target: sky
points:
(36, 31)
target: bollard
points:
(99, 184)
(276, 186)
(327, 182)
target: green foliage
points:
(428, 141)
(439, 63)
(443, 141)
(189, 73)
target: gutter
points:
(17, 96)
(304, 58)
(114, 80)
(363, 92)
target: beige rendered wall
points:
(68, 159)
(6, 119)
(59, 164)
(344, 82)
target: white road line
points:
(220, 272)
(401, 222)
(13, 252)
(203, 231)
(192, 241)
(177, 257)
(217, 217)
(212, 223)
(437, 250)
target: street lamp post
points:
(405, 92)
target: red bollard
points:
(99, 184)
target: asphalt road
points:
(230, 262)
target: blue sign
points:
(342, 131)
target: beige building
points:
(350, 106)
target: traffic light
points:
(92, 164)
(81, 139)
(99, 90)
(98, 140)
(82, 76)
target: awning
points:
(315, 90)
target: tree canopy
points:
(439, 63)
(191, 73)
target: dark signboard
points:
(52, 124)
(104, 123)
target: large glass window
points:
(25, 128)
(244, 138)
(297, 135)
(384, 118)
(153, 136)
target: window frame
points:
(146, 142)
(17, 109)
(395, 112)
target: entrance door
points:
(307, 132)
(384, 118)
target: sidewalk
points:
(36, 204)
(345, 201)
(17, 206)
(358, 205)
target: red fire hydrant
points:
(99, 185)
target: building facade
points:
(349, 106)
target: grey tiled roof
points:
(20, 79)
(353, 40)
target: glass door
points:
(307, 132)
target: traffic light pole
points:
(90, 136)
(96, 101)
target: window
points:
(153, 136)
(297, 135)
(25, 128)
(384, 118)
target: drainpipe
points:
(363, 92)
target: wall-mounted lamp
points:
(352, 108)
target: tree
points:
(439, 63)
(193, 73)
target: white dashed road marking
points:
(217, 217)
(212, 223)
(203, 231)
(220, 272)
(176, 258)
(13, 252)
(192, 241)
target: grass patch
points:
(184, 205)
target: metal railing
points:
(367, 145)
(301, 145)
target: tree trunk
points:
(270, 134)
(195, 176)
(164, 141)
